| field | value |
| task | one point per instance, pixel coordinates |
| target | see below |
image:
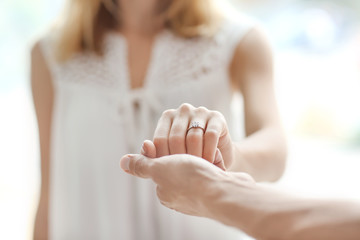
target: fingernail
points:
(124, 162)
(143, 151)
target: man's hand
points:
(190, 185)
(185, 183)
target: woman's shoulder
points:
(235, 25)
(45, 43)
(49, 36)
(43, 49)
(37, 55)
(231, 31)
(247, 33)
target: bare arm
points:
(267, 214)
(262, 153)
(235, 199)
(42, 91)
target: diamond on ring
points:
(195, 125)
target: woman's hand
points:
(177, 133)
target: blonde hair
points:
(87, 21)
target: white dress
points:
(95, 123)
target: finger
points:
(224, 143)
(161, 134)
(178, 133)
(137, 165)
(219, 161)
(148, 149)
(194, 137)
(211, 138)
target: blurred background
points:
(317, 67)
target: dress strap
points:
(233, 31)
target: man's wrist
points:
(212, 194)
(231, 200)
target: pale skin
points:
(193, 186)
(262, 153)
(42, 90)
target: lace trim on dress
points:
(175, 60)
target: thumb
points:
(148, 149)
(137, 165)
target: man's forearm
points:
(321, 219)
(262, 154)
(266, 214)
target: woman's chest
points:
(171, 63)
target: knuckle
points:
(137, 166)
(202, 110)
(218, 115)
(168, 113)
(185, 107)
